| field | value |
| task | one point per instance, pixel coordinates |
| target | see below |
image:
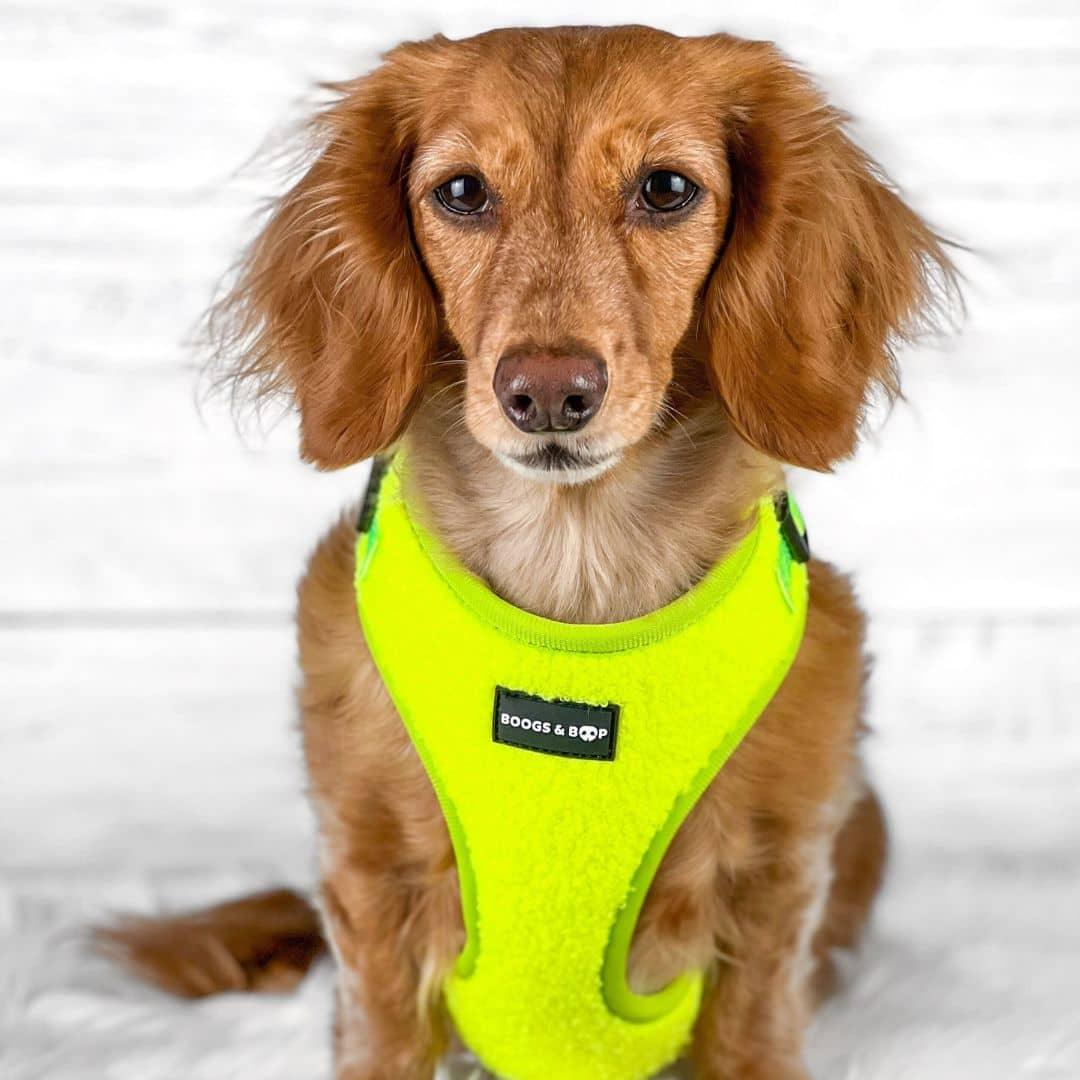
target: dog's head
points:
(569, 214)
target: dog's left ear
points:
(825, 269)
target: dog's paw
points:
(386, 1071)
(773, 1069)
(759, 1069)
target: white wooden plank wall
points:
(149, 555)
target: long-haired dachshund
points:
(593, 288)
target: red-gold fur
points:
(749, 334)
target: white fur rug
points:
(972, 969)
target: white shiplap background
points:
(149, 553)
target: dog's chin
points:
(555, 463)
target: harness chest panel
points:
(557, 836)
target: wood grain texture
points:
(120, 205)
(165, 747)
(134, 525)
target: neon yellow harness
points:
(564, 758)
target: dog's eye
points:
(665, 191)
(463, 195)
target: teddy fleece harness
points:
(564, 758)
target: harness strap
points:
(564, 758)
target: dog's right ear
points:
(330, 304)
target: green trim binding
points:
(618, 995)
(466, 961)
(535, 630)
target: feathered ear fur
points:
(330, 303)
(824, 271)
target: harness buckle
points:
(792, 527)
(366, 515)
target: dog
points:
(600, 286)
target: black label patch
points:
(566, 728)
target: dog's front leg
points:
(754, 1015)
(382, 1030)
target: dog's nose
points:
(550, 391)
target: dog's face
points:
(565, 213)
(569, 208)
